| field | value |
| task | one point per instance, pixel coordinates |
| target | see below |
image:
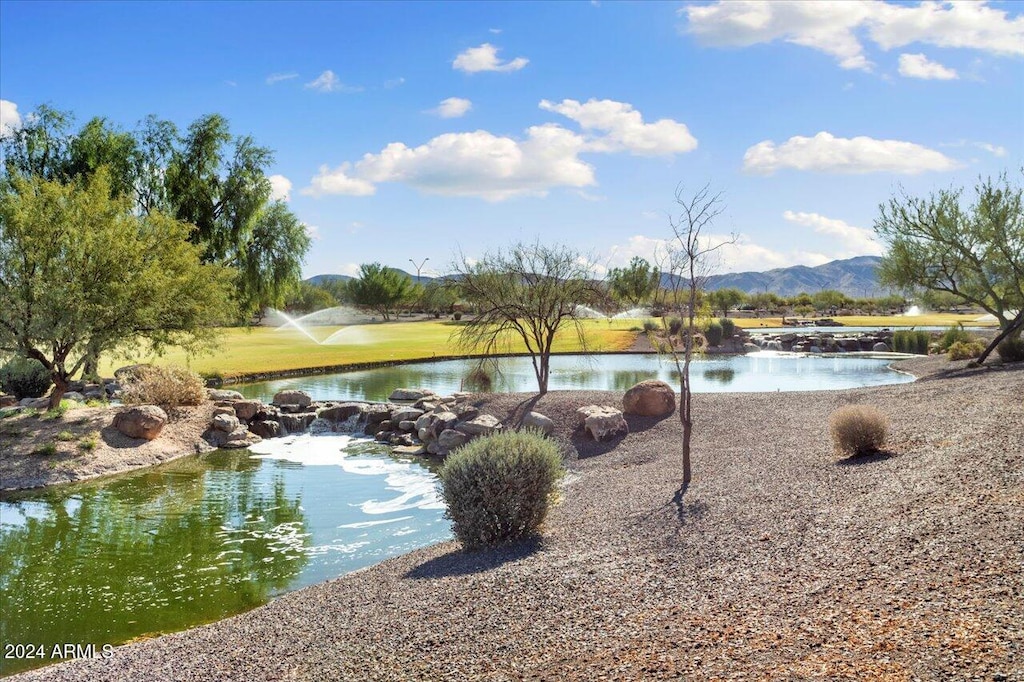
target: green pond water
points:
(200, 539)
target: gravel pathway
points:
(780, 562)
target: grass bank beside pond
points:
(261, 350)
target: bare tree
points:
(690, 263)
(527, 292)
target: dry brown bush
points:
(858, 429)
(165, 386)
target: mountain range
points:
(855, 277)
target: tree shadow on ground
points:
(871, 458)
(460, 562)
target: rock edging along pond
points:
(420, 422)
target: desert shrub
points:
(858, 429)
(651, 326)
(498, 488)
(955, 334)
(713, 334)
(675, 325)
(88, 443)
(457, 316)
(916, 342)
(966, 350)
(1011, 349)
(25, 378)
(728, 327)
(171, 386)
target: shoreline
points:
(779, 557)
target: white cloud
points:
(741, 256)
(394, 83)
(338, 181)
(328, 82)
(350, 269)
(484, 165)
(280, 188)
(856, 241)
(10, 119)
(992, 148)
(823, 26)
(919, 66)
(485, 58)
(624, 128)
(835, 27)
(453, 107)
(829, 154)
(495, 31)
(495, 167)
(312, 231)
(278, 77)
(972, 25)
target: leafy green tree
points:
(765, 300)
(975, 252)
(724, 300)
(380, 289)
(635, 283)
(80, 273)
(439, 296)
(307, 298)
(528, 292)
(209, 178)
(828, 299)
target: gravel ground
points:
(22, 465)
(781, 561)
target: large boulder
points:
(223, 394)
(141, 421)
(410, 394)
(340, 413)
(247, 409)
(35, 403)
(297, 423)
(288, 397)
(8, 400)
(449, 439)
(241, 437)
(484, 425)
(650, 399)
(880, 347)
(406, 414)
(601, 422)
(225, 423)
(265, 428)
(538, 422)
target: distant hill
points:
(855, 277)
(317, 280)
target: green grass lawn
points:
(264, 349)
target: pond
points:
(202, 538)
(755, 372)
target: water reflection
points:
(202, 538)
(754, 373)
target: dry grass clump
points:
(858, 429)
(966, 350)
(165, 386)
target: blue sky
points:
(415, 130)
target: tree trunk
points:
(1015, 325)
(60, 387)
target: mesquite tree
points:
(528, 292)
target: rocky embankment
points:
(823, 342)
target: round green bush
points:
(965, 350)
(498, 488)
(25, 378)
(728, 327)
(714, 334)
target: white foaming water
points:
(913, 311)
(308, 449)
(348, 335)
(415, 485)
(632, 313)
